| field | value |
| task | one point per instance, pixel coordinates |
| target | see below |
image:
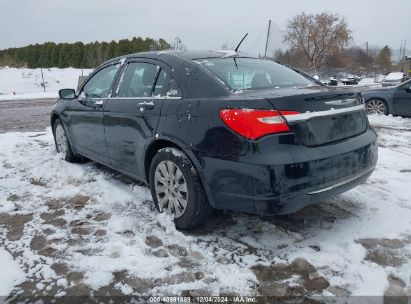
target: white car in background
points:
(394, 79)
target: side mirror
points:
(67, 94)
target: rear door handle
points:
(145, 105)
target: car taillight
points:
(253, 124)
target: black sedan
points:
(394, 100)
(218, 130)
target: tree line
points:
(323, 44)
(77, 55)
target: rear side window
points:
(138, 80)
(252, 73)
(159, 87)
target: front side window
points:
(253, 74)
(138, 80)
(99, 85)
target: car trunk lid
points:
(326, 116)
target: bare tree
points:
(384, 60)
(317, 37)
(225, 46)
(178, 44)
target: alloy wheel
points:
(376, 106)
(61, 139)
(171, 188)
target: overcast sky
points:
(200, 24)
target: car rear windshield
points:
(253, 74)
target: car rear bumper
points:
(288, 204)
(278, 176)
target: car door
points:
(86, 114)
(132, 114)
(402, 99)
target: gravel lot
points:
(25, 115)
(82, 229)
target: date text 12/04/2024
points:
(209, 299)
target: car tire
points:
(62, 143)
(176, 188)
(377, 106)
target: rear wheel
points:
(377, 106)
(177, 190)
(62, 143)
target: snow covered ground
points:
(82, 229)
(21, 83)
(370, 82)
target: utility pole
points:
(366, 71)
(405, 45)
(268, 36)
(42, 77)
(399, 58)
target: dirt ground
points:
(72, 226)
(25, 115)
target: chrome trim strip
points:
(146, 98)
(342, 183)
(306, 116)
(341, 102)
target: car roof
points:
(191, 55)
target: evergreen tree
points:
(78, 55)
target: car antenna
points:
(238, 46)
(236, 49)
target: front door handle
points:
(145, 105)
(99, 103)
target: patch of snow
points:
(11, 273)
(60, 294)
(227, 53)
(38, 95)
(366, 81)
(378, 209)
(172, 92)
(122, 61)
(395, 76)
(204, 62)
(6, 206)
(23, 83)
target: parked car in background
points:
(389, 100)
(333, 81)
(350, 80)
(218, 130)
(393, 79)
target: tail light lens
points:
(253, 124)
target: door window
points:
(138, 80)
(99, 85)
(159, 87)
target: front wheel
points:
(177, 190)
(377, 106)
(62, 142)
